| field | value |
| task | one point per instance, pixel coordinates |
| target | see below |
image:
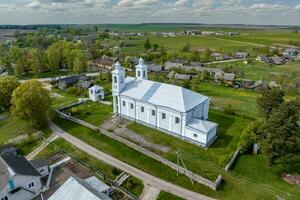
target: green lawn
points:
(11, 128)
(63, 99)
(94, 113)
(167, 196)
(229, 131)
(231, 189)
(133, 184)
(33, 142)
(243, 101)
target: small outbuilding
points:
(96, 93)
(41, 165)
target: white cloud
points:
(297, 7)
(268, 7)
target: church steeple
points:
(118, 79)
(141, 70)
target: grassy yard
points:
(11, 128)
(229, 131)
(243, 102)
(94, 113)
(167, 196)
(133, 184)
(233, 187)
(62, 98)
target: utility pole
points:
(186, 170)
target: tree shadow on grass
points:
(224, 123)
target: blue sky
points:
(278, 12)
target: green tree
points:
(281, 139)
(155, 46)
(80, 61)
(207, 54)
(269, 100)
(31, 102)
(251, 135)
(7, 86)
(147, 44)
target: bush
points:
(116, 171)
(228, 109)
(75, 111)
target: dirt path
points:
(41, 147)
(145, 177)
(149, 193)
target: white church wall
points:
(211, 135)
(195, 135)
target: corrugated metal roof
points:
(78, 189)
(202, 125)
(162, 94)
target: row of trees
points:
(60, 55)
(28, 101)
(278, 132)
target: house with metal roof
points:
(169, 108)
(19, 180)
(82, 189)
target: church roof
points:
(202, 125)
(162, 94)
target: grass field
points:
(173, 44)
(94, 113)
(234, 186)
(167, 196)
(133, 184)
(11, 128)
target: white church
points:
(169, 108)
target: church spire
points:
(141, 70)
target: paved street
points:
(145, 177)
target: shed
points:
(96, 93)
(84, 84)
(183, 77)
(240, 55)
(155, 68)
(70, 80)
(172, 65)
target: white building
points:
(96, 93)
(19, 180)
(171, 109)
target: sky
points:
(262, 12)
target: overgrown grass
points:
(11, 128)
(133, 184)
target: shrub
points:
(75, 111)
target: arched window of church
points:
(144, 74)
(115, 79)
(139, 73)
